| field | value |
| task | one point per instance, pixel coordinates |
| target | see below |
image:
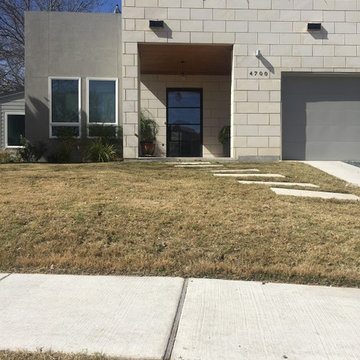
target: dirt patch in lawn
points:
(154, 219)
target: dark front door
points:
(184, 122)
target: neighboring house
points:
(12, 120)
(284, 74)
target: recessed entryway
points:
(186, 68)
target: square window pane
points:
(15, 129)
(102, 101)
(65, 131)
(184, 116)
(64, 100)
(183, 98)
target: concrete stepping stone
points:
(197, 166)
(189, 163)
(234, 170)
(252, 175)
(125, 317)
(278, 183)
(315, 194)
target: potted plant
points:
(224, 139)
(148, 131)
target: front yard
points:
(154, 219)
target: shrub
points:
(98, 151)
(107, 146)
(224, 135)
(9, 157)
(31, 152)
(148, 127)
(65, 145)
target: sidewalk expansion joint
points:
(175, 326)
(4, 277)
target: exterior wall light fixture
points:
(156, 23)
(257, 53)
(314, 26)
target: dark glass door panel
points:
(184, 98)
(184, 140)
(184, 116)
(184, 123)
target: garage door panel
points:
(335, 150)
(321, 117)
(333, 113)
(332, 134)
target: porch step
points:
(278, 183)
(314, 194)
(233, 170)
(252, 175)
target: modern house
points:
(283, 74)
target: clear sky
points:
(109, 6)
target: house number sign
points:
(258, 74)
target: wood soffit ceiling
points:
(185, 59)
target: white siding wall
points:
(276, 27)
(11, 104)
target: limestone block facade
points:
(276, 29)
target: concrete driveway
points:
(173, 318)
(339, 169)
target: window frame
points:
(66, 124)
(6, 115)
(88, 123)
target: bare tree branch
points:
(12, 42)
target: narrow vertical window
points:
(102, 107)
(65, 107)
(15, 129)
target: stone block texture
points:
(278, 28)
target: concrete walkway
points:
(173, 318)
(339, 169)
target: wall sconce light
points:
(257, 53)
(314, 26)
(156, 23)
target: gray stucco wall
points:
(9, 104)
(67, 45)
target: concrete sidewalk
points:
(339, 169)
(157, 318)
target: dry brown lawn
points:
(154, 219)
(39, 355)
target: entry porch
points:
(186, 89)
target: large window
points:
(102, 106)
(15, 129)
(65, 107)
